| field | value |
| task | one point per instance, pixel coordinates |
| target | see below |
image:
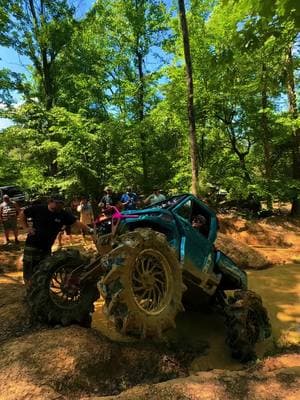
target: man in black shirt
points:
(46, 222)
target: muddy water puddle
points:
(279, 287)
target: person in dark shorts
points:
(46, 222)
(9, 211)
(66, 228)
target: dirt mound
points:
(242, 254)
(10, 258)
(267, 232)
(274, 379)
(42, 363)
(276, 238)
(75, 361)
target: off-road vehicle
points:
(151, 263)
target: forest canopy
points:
(104, 100)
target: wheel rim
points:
(64, 292)
(151, 285)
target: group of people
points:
(44, 222)
(130, 200)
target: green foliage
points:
(105, 102)
(286, 9)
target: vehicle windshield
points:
(168, 203)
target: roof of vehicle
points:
(172, 204)
(169, 202)
(9, 187)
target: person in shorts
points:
(86, 214)
(9, 211)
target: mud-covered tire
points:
(103, 243)
(47, 306)
(143, 288)
(247, 323)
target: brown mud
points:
(274, 379)
(275, 239)
(193, 363)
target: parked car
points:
(15, 194)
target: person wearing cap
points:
(9, 211)
(155, 197)
(129, 199)
(109, 199)
(46, 222)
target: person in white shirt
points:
(155, 197)
(86, 213)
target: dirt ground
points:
(192, 362)
(260, 243)
(273, 379)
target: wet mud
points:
(204, 331)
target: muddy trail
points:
(191, 362)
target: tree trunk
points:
(42, 64)
(141, 115)
(266, 136)
(190, 99)
(242, 159)
(296, 131)
(241, 154)
(47, 82)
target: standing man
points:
(46, 222)
(129, 199)
(109, 199)
(9, 211)
(155, 197)
(86, 213)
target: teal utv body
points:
(152, 264)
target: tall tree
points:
(190, 97)
(40, 29)
(134, 28)
(293, 109)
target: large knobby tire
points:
(247, 323)
(55, 300)
(103, 243)
(143, 289)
